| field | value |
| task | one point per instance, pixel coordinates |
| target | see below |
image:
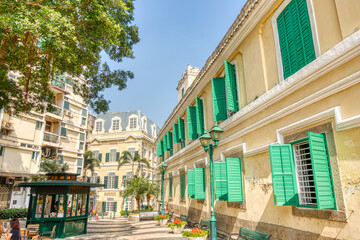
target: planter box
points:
(149, 215)
(177, 230)
(197, 238)
(163, 222)
(134, 217)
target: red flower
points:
(177, 222)
(197, 230)
(162, 216)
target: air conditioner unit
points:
(8, 126)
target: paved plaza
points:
(122, 229)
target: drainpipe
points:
(262, 51)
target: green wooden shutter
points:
(160, 149)
(103, 206)
(61, 159)
(105, 182)
(295, 37)
(191, 183)
(115, 206)
(283, 175)
(88, 179)
(100, 157)
(116, 181)
(165, 143)
(199, 183)
(182, 185)
(234, 180)
(191, 121)
(324, 188)
(107, 157)
(218, 99)
(170, 186)
(176, 133)
(231, 87)
(181, 123)
(98, 180)
(199, 116)
(66, 105)
(63, 131)
(220, 176)
(169, 138)
(117, 156)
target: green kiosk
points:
(62, 201)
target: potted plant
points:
(162, 219)
(196, 234)
(177, 226)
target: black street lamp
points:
(163, 168)
(205, 139)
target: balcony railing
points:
(49, 137)
(57, 110)
(58, 84)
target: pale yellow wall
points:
(348, 14)
(333, 23)
(19, 161)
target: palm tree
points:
(152, 189)
(136, 187)
(49, 165)
(127, 157)
(89, 163)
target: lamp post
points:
(205, 139)
(163, 168)
(124, 186)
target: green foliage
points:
(49, 165)
(177, 223)
(43, 39)
(136, 187)
(11, 213)
(90, 163)
(161, 217)
(129, 158)
(196, 232)
(122, 212)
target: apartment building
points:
(113, 134)
(283, 84)
(28, 138)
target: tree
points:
(49, 165)
(40, 39)
(136, 187)
(89, 163)
(152, 189)
(129, 158)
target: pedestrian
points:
(15, 229)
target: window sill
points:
(332, 215)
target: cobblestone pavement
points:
(122, 229)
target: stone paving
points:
(122, 229)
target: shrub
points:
(177, 223)
(161, 217)
(122, 212)
(196, 232)
(13, 213)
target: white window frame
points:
(116, 127)
(97, 128)
(111, 180)
(109, 204)
(112, 154)
(93, 178)
(314, 34)
(132, 120)
(34, 155)
(304, 196)
(2, 149)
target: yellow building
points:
(25, 139)
(113, 134)
(283, 84)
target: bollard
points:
(114, 214)
(102, 215)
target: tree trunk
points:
(148, 201)
(138, 202)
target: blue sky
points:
(173, 33)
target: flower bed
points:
(196, 233)
(177, 226)
(162, 219)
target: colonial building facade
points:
(283, 84)
(28, 138)
(113, 134)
